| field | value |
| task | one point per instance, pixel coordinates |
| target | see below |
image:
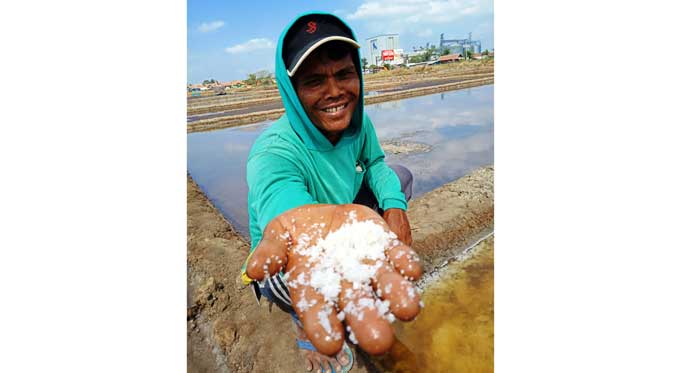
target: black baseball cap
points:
(308, 33)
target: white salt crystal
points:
(366, 303)
(383, 307)
(327, 281)
(352, 338)
(387, 289)
(324, 320)
(340, 255)
(302, 305)
(301, 279)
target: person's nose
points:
(333, 88)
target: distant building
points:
(460, 46)
(450, 58)
(377, 44)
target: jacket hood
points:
(295, 113)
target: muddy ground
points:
(229, 332)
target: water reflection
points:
(458, 125)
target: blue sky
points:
(227, 40)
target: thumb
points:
(270, 255)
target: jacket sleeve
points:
(381, 179)
(276, 185)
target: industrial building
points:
(376, 45)
(460, 46)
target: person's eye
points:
(312, 82)
(346, 74)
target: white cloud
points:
(253, 44)
(415, 11)
(210, 26)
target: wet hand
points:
(298, 242)
(397, 220)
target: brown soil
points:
(451, 217)
(229, 332)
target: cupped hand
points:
(316, 246)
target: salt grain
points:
(342, 253)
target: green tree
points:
(485, 53)
(446, 51)
(364, 63)
(263, 74)
(251, 80)
(468, 54)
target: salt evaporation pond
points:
(452, 133)
(454, 332)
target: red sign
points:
(388, 55)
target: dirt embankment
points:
(384, 80)
(225, 121)
(451, 217)
(229, 332)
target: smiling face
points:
(328, 87)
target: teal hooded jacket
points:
(293, 164)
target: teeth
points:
(334, 109)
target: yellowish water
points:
(454, 332)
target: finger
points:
(319, 319)
(270, 255)
(405, 261)
(308, 364)
(408, 239)
(365, 320)
(404, 301)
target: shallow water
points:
(454, 332)
(457, 127)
